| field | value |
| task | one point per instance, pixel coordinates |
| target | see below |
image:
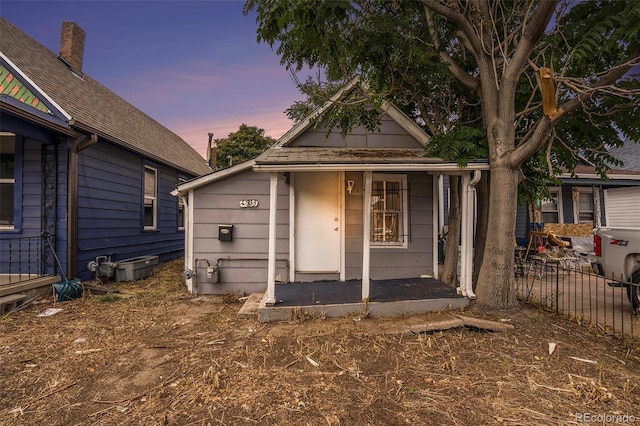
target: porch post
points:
(366, 236)
(188, 237)
(271, 268)
(435, 229)
(292, 227)
(466, 238)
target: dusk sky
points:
(194, 66)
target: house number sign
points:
(249, 204)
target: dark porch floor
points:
(341, 292)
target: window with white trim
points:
(150, 198)
(7, 180)
(552, 208)
(583, 205)
(181, 207)
(389, 210)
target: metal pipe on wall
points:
(72, 201)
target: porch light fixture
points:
(350, 184)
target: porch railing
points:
(568, 288)
(24, 258)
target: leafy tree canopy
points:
(246, 143)
(547, 82)
(421, 61)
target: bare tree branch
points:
(427, 120)
(464, 77)
(608, 79)
(483, 27)
(532, 32)
(459, 19)
(545, 124)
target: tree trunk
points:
(450, 268)
(482, 219)
(496, 282)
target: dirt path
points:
(159, 357)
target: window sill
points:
(388, 246)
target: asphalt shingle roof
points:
(93, 107)
(629, 154)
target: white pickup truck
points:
(617, 253)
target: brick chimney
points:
(72, 45)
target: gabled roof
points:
(398, 116)
(92, 107)
(283, 156)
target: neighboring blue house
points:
(587, 199)
(81, 164)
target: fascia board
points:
(307, 122)
(446, 168)
(405, 122)
(212, 177)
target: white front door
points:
(317, 222)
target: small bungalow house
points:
(319, 207)
(80, 164)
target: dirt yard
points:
(153, 355)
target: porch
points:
(26, 268)
(387, 298)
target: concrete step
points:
(10, 302)
(250, 308)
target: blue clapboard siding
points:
(110, 208)
(567, 203)
(18, 245)
(31, 188)
(522, 224)
(25, 241)
(62, 202)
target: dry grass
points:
(159, 357)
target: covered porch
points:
(27, 269)
(387, 298)
(367, 290)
